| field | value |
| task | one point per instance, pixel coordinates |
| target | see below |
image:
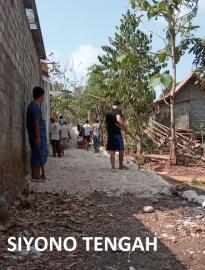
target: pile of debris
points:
(186, 148)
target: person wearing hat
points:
(115, 142)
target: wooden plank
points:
(185, 148)
(165, 135)
(157, 157)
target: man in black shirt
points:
(115, 140)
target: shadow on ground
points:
(107, 215)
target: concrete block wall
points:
(19, 73)
(195, 105)
(189, 108)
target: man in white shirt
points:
(96, 136)
(55, 132)
(87, 133)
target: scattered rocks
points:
(23, 254)
(112, 194)
(192, 196)
(148, 209)
(14, 258)
(200, 200)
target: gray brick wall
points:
(19, 73)
(189, 108)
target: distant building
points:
(21, 49)
(189, 106)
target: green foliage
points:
(125, 69)
(197, 182)
(198, 49)
(64, 89)
(179, 29)
(128, 66)
(179, 34)
(164, 80)
(87, 105)
(123, 73)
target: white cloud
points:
(83, 57)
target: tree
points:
(198, 49)
(178, 37)
(64, 87)
(88, 104)
(128, 67)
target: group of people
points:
(114, 125)
(89, 133)
(59, 134)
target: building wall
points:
(19, 73)
(46, 105)
(189, 109)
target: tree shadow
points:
(124, 223)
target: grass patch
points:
(197, 182)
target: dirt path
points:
(98, 203)
(179, 228)
(84, 172)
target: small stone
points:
(102, 205)
(164, 235)
(17, 202)
(199, 217)
(190, 195)
(148, 209)
(200, 200)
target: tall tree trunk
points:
(139, 147)
(173, 159)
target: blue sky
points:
(75, 30)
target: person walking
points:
(61, 120)
(115, 142)
(36, 128)
(96, 136)
(65, 135)
(87, 133)
(55, 134)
